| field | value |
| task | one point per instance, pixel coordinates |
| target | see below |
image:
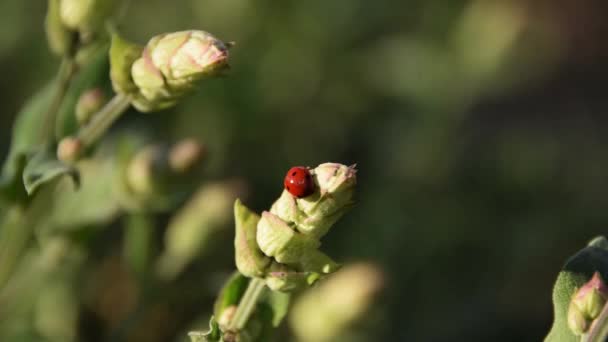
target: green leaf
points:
(26, 133)
(94, 203)
(279, 304)
(122, 56)
(575, 273)
(43, 167)
(231, 293)
(206, 215)
(248, 257)
(213, 335)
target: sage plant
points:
(68, 177)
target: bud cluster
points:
(282, 245)
(158, 75)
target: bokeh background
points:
(479, 129)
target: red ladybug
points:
(298, 182)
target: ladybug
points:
(298, 181)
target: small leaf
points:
(578, 269)
(122, 56)
(231, 293)
(42, 168)
(279, 303)
(248, 257)
(213, 335)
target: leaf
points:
(248, 257)
(213, 335)
(94, 203)
(206, 215)
(43, 167)
(122, 56)
(575, 273)
(279, 304)
(231, 293)
(26, 134)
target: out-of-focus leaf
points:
(206, 213)
(43, 167)
(94, 74)
(27, 132)
(578, 269)
(94, 203)
(231, 293)
(213, 335)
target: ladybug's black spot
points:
(293, 174)
(288, 188)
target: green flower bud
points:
(86, 16)
(331, 309)
(586, 304)
(290, 233)
(88, 104)
(69, 149)
(167, 69)
(315, 214)
(147, 171)
(59, 36)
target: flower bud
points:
(289, 234)
(186, 155)
(586, 304)
(69, 149)
(59, 36)
(147, 171)
(172, 63)
(315, 214)
(86, 16)
(88, 104)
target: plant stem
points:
(247, 304)
(66, 71)
(599, 328)
(103, 119)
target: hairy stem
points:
(66, 72)
(103, 119)
(247, 304)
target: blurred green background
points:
(478, 128)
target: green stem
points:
(247, 304)
(67, 69)
(102, 120)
